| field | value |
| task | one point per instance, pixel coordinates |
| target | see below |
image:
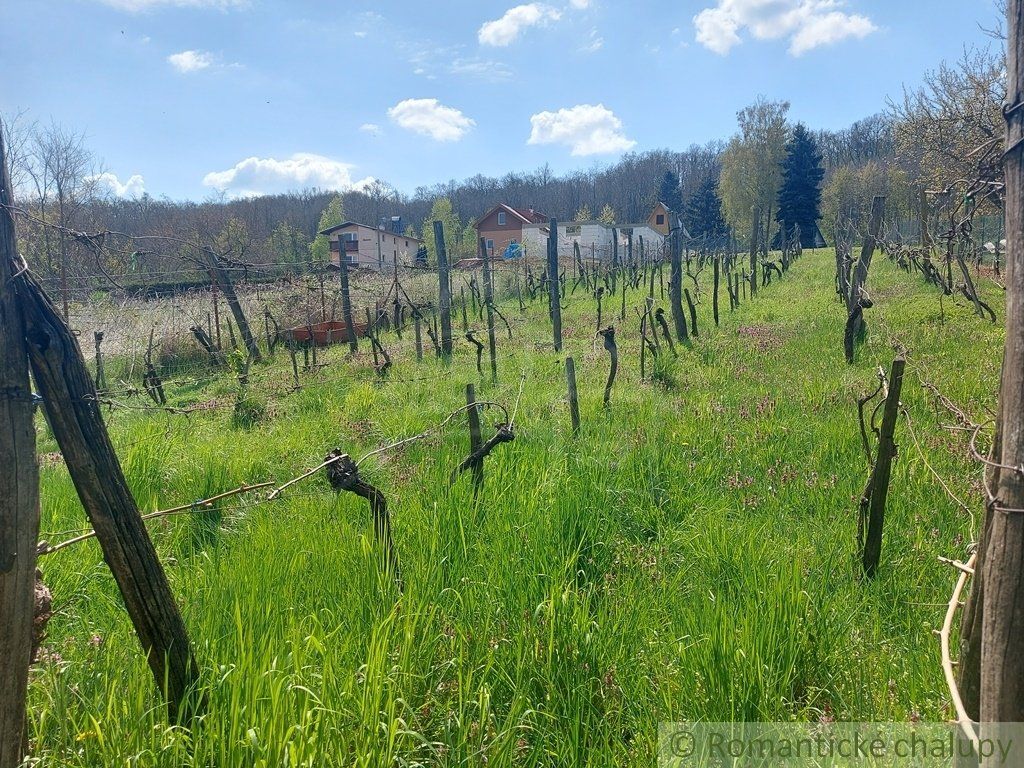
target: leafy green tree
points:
(607, 215)
(704, 210)
(287, 245)
(800, 195)
(233, 241)
(320, 248)
(583, 214)
(752, 163)
(470, 246)
(442, 211)
(670, 193)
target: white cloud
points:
(807, 24)
(580, 4)
(595, 43)
(482, 69)
(268, 175)
(431, 118)
(506, 30)
(371, 128)
(108, 184)
(588, 129)
(136, 6)
(190, 61)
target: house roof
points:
(527, 216)
(347, 224)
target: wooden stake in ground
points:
(553, 288)
(19, 495)
(574, 401)
(444, 291)
(1002, 643)
(73, 413)
(879, 483)
(219, 275)
(475, 440)
(101, 379)
(346, 300)
(857, 300)
(714, 299)
(755, 248)
(489, 303)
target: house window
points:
(501, 218)
(660, 218)
(573, 229)
(489, 244)
(406, 243)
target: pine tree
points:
(320, 248)
(607, 215)
(670, 193)
(800, 195)
(583, 214)
(704, 210)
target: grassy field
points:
(690, 555)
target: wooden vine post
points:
(74, 417)
(19, 495)
(553, 287)
(444, 291)
(489, 304)
(346, 300)
(1002, 636)
(220, 276)
(574, 400)
(755, 247)
(878, 486)
(608, 334)
(475, 439)
(714, 296)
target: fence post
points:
(883, 470)
(444, 290)
(553, 288)
(755, 247)
(220, 276)
(346, 300)
(489, 303)
(74, 416)
(475, 441)
(419, 335)
(714, 299)
(574, 402)
(19, 496)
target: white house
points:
(595, 240)
(370, 247)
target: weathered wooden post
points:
(714, 300)
(101, 379)
(1002, 659)
(220, 276)
(346, 300)
(574, 402)
(19, 495)
(444, 291)
(215, 298)
(553, 288)
(489, 304)
(475, 440)
(419, 335)
(755, 249)
(675, 287)
(883, 470)
(74, 416)
(856, 300)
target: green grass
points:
(691, 555)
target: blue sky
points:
(248, 96)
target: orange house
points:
(502, 226)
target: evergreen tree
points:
(800, 195)
(703, 214)
(670, 193)
(320, 248)
(583, 214)
(607, 215)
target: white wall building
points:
(595, 241)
